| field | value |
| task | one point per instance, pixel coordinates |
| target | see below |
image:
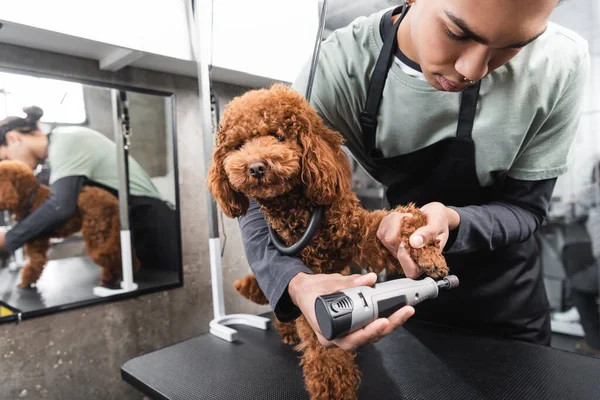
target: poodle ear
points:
(233, 203)
(325, 167)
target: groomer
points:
(467, 108)
(78, 157)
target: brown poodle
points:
(97, 217)
(273, 147)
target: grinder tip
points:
(449, 282)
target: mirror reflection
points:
(60, 231)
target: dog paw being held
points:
(274, 151)
(416, 236)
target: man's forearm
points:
(491, 226)
(512, 219)
(272, 269)
(61, 205)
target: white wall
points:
(153, 26)
(266, 38)
(270, 38)
(583, 16)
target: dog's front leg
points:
(287, 331)
(36, 251)
(374, 256)
(329, 373)
(249, 288)
(369, 252)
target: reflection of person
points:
(584, 282)
(80, 156)
(468, 111)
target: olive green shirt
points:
(76, 150)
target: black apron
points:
(501, 293)
(153, 226)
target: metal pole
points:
(200, 14)
(121, 125)
(315, 58)
(121, 137)
(202, 18)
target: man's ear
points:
(12, 137)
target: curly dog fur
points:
(97, 217)
(303, 165)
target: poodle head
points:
(269, 142)
(17, 180)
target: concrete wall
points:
(147, 118)
(77, 354)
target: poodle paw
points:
(431, 261)
(287, 331)
(435, 271)
(109, 285)
(290, 338)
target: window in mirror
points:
(62, 101)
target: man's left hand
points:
(440, 220)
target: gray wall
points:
(77, 354)
(147, 118)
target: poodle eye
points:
(278, 136)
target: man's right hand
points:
(304, 290)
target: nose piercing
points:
(466, 80)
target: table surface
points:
(417, 361)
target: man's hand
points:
(440, 220)
(304, 290)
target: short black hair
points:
(23, 125)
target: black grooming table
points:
(417, 361)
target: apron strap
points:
(368, 117)
(468, 108)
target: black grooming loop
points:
(317, 215)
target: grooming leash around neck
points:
(313, 225)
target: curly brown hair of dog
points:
(97, 218)
(305, 167)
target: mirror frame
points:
(170, 100)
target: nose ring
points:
(467, 80)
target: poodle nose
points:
(257, 169)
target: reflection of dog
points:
(97, 217)
(273, 147)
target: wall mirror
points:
(81, 127)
